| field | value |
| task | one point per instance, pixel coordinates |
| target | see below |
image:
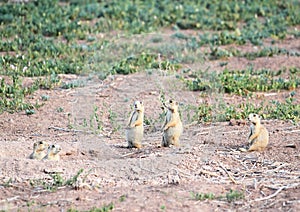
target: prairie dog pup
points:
(259, 136)
(172, 128)
(39, 148)
(135, 128)
(52, 153)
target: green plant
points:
(12, 95)
(245, 82)
(288, 110)
(45, 97)
(56, 181)
(134, 63)
(234, 195)
(7, 183)
(60, 109)
(122, 198)
(29, 112)
(73, 84)
(72, 181)
(105, 208)
(112, 118)
(43, 39)
(230, 196)
(97, 118)
(30, 203)
(203, 196)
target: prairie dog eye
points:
(171, 101)
(41, 142)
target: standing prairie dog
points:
(52, 153)
(259, 136)
(135, 128)
(172, 128)
(39, 148)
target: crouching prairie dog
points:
(135, 129)
(53, 152)
(259, 136)
(39, 148)
(172, 127)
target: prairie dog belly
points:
(135, 133)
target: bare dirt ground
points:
(153, 178)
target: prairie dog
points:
(52, 153)
(172, 128)
(135, 128)
(259, 136)
(39, 148)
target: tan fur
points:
(39, 148)
(259, 136)
(172, 128)
(135, 128)
(52, 153)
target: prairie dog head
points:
(54, 149)
(171, 105)
(138, 106)
(254, 118)
(40, 146)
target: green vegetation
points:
(104, 208)
(233, 195)
(230, 196)
(43, 39)
(246, 81)
(287, 110)
(56, 182)
(202, 196)
(122, 198)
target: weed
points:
(45, 97)
(73, 84)
(55, 40)
(122, 198)
(287, 110)
(135, 63)
(163, 207)
(60, 109)
(7, 183)
(245, 82)
(104, 208)
(96, 117)
(230, 196)
(29, 112)
(56, 181)
(74, 179)
(233, 195)
(203, 196)
(113, 120)
(30, 203)
(157, 39)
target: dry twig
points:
(229, 175)
(278, 191)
